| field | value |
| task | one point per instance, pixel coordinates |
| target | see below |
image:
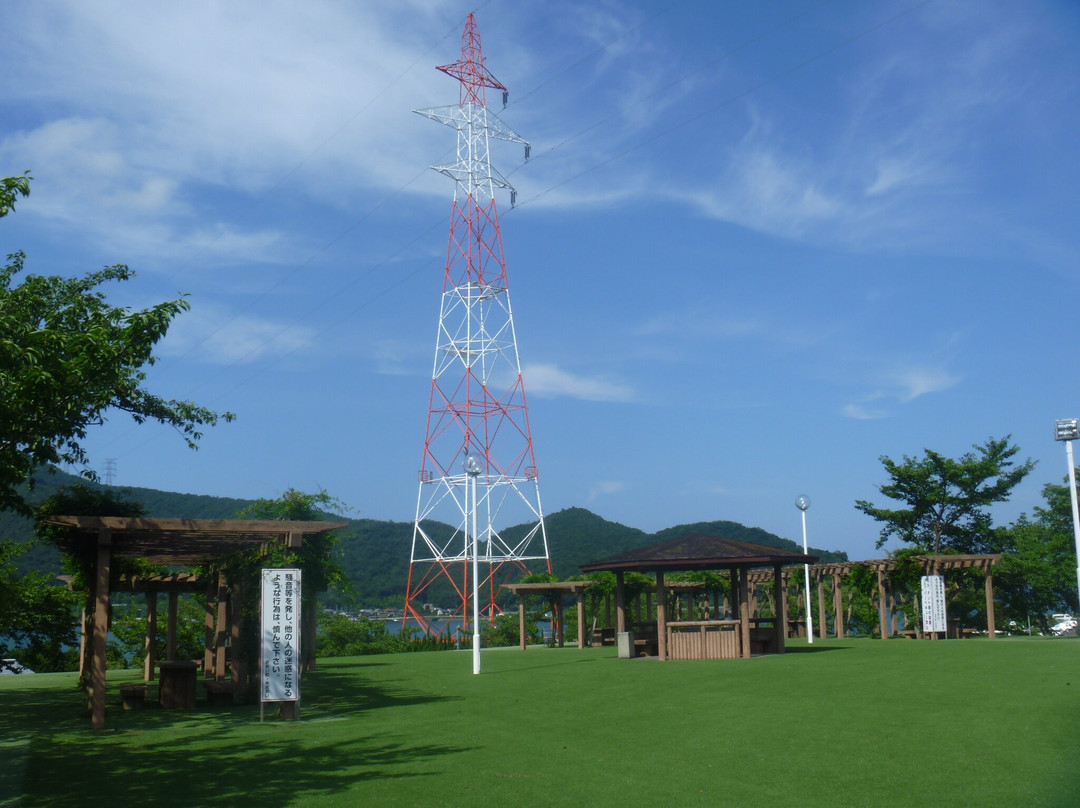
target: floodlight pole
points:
(802, 503)
(1068, 430)
(472, 470)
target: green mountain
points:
(375, 553)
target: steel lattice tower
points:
(477, 407)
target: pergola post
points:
(780, 624)
(823, 628)
(620, 601)
(991, 624)
(559, 621)
(661, 616)
(894, 626)
(150, 643)
(239, 668)
(100, 636)
(883, 616)
(85, 629)
(521, 619)
(744, 612)
(209, 656)
(838, 607)
(220, 636)
(733, 574)
(581, 618)
(170, 643)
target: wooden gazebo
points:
(167, 542)
(706, 639)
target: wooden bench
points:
(603, 636)
(646, 647)
(219, 693)
(133, 696)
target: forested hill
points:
(375, 553)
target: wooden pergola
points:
(886, 600)
(554, 592)
(738, 637)
(166, 542)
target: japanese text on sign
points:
(933, 603)
(280, 674)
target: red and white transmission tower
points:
(477, 409)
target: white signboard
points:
(280, 676)
(933, 603)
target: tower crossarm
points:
(464, 175)
(461, 118)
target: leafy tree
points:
(504, 632)
(67, 358)
(128, 626)
(317, 558)
(37, 618)
(10, 188)
(1037, 573)
(341, 635)
(947, 501)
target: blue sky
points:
(757, 245)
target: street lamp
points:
(802, 503)
(472, 469)
(1068, 430)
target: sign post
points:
(933, 603)
(279, 664)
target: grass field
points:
(839, 723)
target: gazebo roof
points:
(698, 551)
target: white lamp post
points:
(472, 469)
(802, 503)
(1068, 430)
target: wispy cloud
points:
(897, 386)
(396, 357)
(220, 337)
(913, 382)
(233, 99)
(554, 382)
(602, 489)
(863, 412)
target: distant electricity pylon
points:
(477, 406)
(110, 470)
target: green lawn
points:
(840, 723)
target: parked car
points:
(10, 666)
(1065, 624)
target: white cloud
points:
(553, 382)
(861, 412)
(218, 336)
(395, 357)
(913, 382)
(163, 103)
(765, 189)
(897, 386)
(602, 489)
